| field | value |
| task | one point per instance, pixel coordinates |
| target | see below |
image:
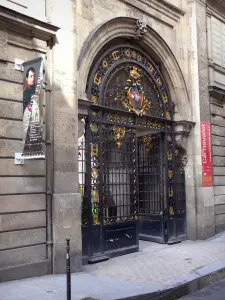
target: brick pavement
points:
(155, 267)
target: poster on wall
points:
(206, 152)
(32, 121)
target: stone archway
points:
(124, 27)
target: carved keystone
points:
(140, 29)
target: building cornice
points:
(217, 92)
(216, 8)
(163, 11)
(27, 25)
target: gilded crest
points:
(133, 98)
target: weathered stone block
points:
(64, 81)
(217, 110)
(9, 147)
(12, 91)
(11, 129)
(12, 110)
(220, 209)
(191, 213)
(39, 45)
(11, 222)
(205, 197)
(206, 212)
(219, 161)
(219, 180)
(219, 171)
(19, 52)
(17, 38)
(220, 219)
(15, 203)
(16, 185)
(31, 167)
(218, 120)
(218, 140)
(66, 182)
(22, 256)
(220, 228)
(65, 156)
(65, 128)
(66, 223)
(217, 130)
(206, 223)
(219, 199)
(219, 190)
(65, 102)
(22, 238)
(8, 72)
(218, 150)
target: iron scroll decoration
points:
(139, 63)
(134, 101)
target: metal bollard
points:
(68, 273)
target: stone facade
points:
(39, 201)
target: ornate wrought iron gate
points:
(127, 164)
(151, 187)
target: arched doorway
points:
(131, 181)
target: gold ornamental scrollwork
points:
(94, 127)
(118, 133)
(171, 212)
(94, 150)
(147, 141)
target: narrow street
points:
(215, 291)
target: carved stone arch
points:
(124, 27)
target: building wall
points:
(39, 201)
(24, 222)
(216, 62)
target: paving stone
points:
(154, 267)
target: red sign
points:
(207, 174)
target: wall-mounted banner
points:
(32, 121)
(207, 173)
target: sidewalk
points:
(155, 268)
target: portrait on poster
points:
(32, 121)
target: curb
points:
(203, 278)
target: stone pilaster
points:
(204, 204)
(66, 199)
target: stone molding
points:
(123, 27)
(217, 68)
(182, 131)
(217, 92)
(83, 105)
(163, 11)
(201, 2)
(216, 8)
(27, 25)
(3, 43)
